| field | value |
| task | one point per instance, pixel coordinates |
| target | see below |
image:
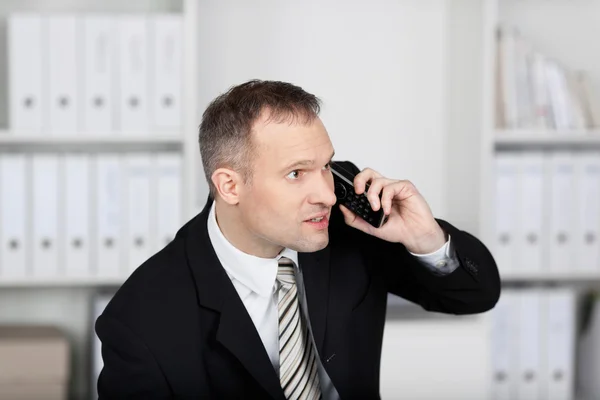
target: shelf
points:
(10, 137)
(549, 277)
(547, 139)
(121, 141)
(61, 282)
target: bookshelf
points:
(548, 104)
(151, 140)
(514, 121)
(68, 302)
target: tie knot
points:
(285, 272)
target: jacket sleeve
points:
(473, 287)
(129, 371)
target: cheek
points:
(267, 200)
(278, 200)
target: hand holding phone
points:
(357, 203)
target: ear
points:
(227, 182)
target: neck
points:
(240, 236)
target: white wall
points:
(464, 98)
(378, 67)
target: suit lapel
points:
(236, 331)
(315, 272)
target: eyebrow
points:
(304, 163)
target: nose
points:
(324, 192)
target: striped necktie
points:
(297, 356)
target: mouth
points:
(318, 221)
(318, 217)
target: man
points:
(273, 291)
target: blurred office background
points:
(491, 107)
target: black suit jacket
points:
(177, 328)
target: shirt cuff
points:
(442, 261)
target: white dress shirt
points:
(254, 279)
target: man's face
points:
(291, 184)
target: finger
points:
(388, 194)
(364, 177)
(400, 190)
(375, 188)
(355, 221)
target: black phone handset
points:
(357, 203)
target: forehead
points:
(291, 139)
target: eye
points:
(328, 165)
(297, 172)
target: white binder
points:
(77, 242)
(504, 376)
(139, 177)
(98, 66)
(44, 194)
(587, 236)
(505, 244)
(133, 74)
(25, 66)
(559, 95)
(109, 216)
(561, 175)
(531, 212)
(167, 68)
(558, 336)
(529, 363)
(63, 96)
(169, 196)
(14, 216)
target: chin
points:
(310, 247)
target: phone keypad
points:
(360, 205)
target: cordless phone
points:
(357, 203)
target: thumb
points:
(355, 221)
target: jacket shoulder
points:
(161, 280)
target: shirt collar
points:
(256, 273)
